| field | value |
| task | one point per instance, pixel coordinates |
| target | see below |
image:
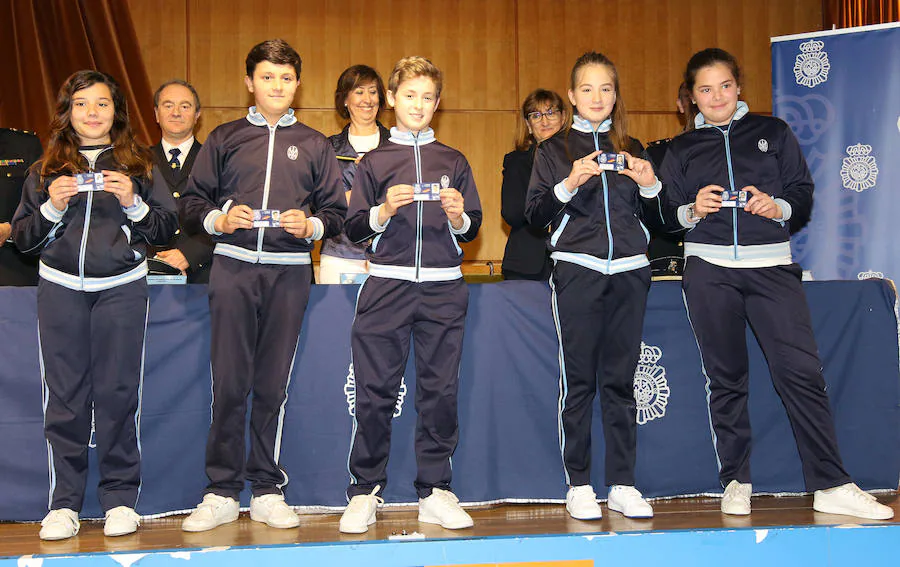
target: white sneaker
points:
(581, 503)
(442, 508)
(60, 524)
(849, 500)
(627, 501)
(271, 510)
(360, 512)
(214, 511)
(121, 520)
(736, 500)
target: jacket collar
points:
(258, 119)
(406, 138)
(582, 125)
(740, 112)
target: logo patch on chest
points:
(763, 145)
(293, 153)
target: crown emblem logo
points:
(651, 389)
(350, 393)
(811, 65)
(859, 171)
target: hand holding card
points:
(61, 190)
(89, 182)
(266, 218)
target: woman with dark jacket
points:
(526, 256)
(359, 97)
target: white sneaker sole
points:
(356, 529)
(118, 533)
(57, 537)
(205, 527)
(426, 518)
(615, 508)
(586, 517)
(841, 511)
(263, 520)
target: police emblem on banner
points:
(293, 153)
(811, 66)
(651, 389)
(859, 171)
(870, 275)
(350, 393)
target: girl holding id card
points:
(600, 279)
(89, 209)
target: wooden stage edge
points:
(17, 539)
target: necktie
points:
(173, 163)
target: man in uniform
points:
(18, 150)
(177, 108)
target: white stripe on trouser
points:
(712, 430)
(353, 479)
(45, 399)
(277, 453)
(137, 414)
(563, 382)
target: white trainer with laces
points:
(736, 500)
(849, 500)
(120, 521)
(214, 511)
(629, 502)
(443, 508)
(581, 503)
(271, 509)
(60, 524)
(360, 512)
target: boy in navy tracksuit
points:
(739, 270)
(415, 286)
(259, 284)
(92, 296)
(600, 281)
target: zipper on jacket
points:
(417, 158)
(265, 198)
(734, 211)
(87, 218)
(609, 235)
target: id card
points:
(611, 162)
(734, 199)
(266, 218)
(426, 192)
(89, 182)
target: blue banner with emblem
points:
(840, 92)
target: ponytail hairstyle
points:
(62, 155)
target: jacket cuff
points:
(651, 191)
(373, 219)
(51, 213)
(786, 210)
(683, 218)
(318, 228)
(209, 223)
(137, 211)
(563, 194)
(467, 224)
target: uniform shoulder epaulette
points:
(27, 132)
(658, 142)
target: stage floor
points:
(18, 539)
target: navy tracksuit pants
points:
(92, 350)
(720, 303)
(599, 322)
(256, 313)
(388, 311)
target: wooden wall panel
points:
(161, 28)
(492, 52)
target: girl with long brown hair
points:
(89, 208)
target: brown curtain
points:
(45, 41)
(851, 13)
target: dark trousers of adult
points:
(599, 321)
(388, 311)
(721, 302)
(92, 347)
(256, 312)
